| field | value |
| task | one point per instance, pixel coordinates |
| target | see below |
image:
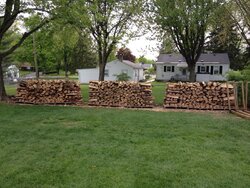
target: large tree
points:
(108, 21)
(10, 12)
(125, 54)
(186, 21)
(239, 11)
(224, 38)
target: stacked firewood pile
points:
(48, 92)
(210, 96)
(120, 94)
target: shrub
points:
(150, 70)
(122, 77)
(246, 73)
(235, 76)
(147, 76)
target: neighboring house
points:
(146, 66)
(113, 68)
(27, 67)
(209, 67)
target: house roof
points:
(26, 64)
(131, 64)
(146, 66)
(204, 58)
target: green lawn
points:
(10, 89)
(90, 147)
(85, 92)
(159, 90)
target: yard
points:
(101, 147)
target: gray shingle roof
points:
(213, 57)
(131, 64)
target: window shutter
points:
(165, 68)
(212, 70)
(207, 69)
(172, 68)
(221, 67)
(199, 69)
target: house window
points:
(168, 68)
(203, 69)
(216, 70)
(106, 72)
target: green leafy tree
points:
(224, 39)
(239, 11)
(65, 40)
(125, 54)
(84, 53)
(143, 59)
(186, 21)
(10, 12)
(44, 47)
(168, 45)
(123, 77)
(109, 21)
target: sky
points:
(146, 43)
(143, 46)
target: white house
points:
(113, 68)
(209, 67)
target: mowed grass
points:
(158, 92)
(10, 89)
(90, 147)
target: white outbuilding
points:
(112, 69)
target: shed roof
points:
(212, 57)
(131, 64)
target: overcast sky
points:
(144, 47)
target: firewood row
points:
(199, 95)
(48, 92)
(120, 94)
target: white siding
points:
(86, 75)
(166, 76)
(212, 77)
(116, 67)
(161, 75)
(113, 68)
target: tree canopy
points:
(125, 54)
(10, 12)
(186, 22)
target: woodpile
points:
(209, 96)
(48, 92)
(120, 94)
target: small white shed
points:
(113, 68)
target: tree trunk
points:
(66, 63)
(192, 75)
(101, 71)
(58, 68)
(3, 95)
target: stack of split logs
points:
(48, 92)
(120, 94)
(207, 96)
